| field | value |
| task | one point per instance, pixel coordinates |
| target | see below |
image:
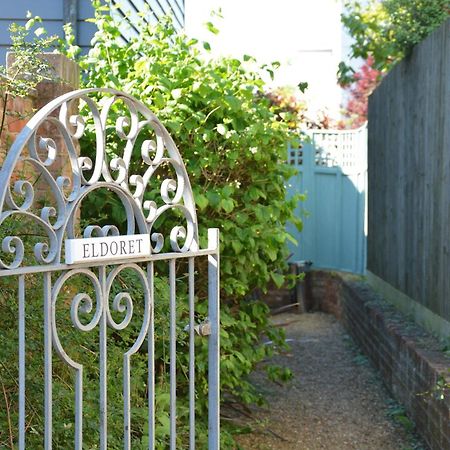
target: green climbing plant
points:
(28, 68)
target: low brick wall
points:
(409, 360)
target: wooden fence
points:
(332, 172)
(409, 175)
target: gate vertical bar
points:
(21, 362)
(79, 409)
(151, 360)
(191, 356)
(103, 367)
(47, 361)
(213, 347)
(173, 356)
(127, 404)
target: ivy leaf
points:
(210, 26)
(201, 201)
(176, 93)
(237, 246)
(227, 204)
(221, 129)
(164, 427)
(227, 190)
(277, 278)
(40, 31)
(271, 253)
(303, 85)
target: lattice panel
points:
(295, 156)
(344, 149)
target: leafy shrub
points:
(233, 144)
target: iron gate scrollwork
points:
(68, 177)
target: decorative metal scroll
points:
(109, 169)
(137, 161)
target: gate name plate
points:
(107, 248)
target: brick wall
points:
(409, 360)
(20, 110)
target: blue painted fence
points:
(332, 172)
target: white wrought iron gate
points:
(104, 274)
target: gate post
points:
(214, 342)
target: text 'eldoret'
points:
(104, 248)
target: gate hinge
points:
(202, 329)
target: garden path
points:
(335, 401)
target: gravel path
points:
(335, 400)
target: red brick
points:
(21, 109)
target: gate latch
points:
(202, 329)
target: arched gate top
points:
(131, 148)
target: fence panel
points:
(409, 175)
(332, 172)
